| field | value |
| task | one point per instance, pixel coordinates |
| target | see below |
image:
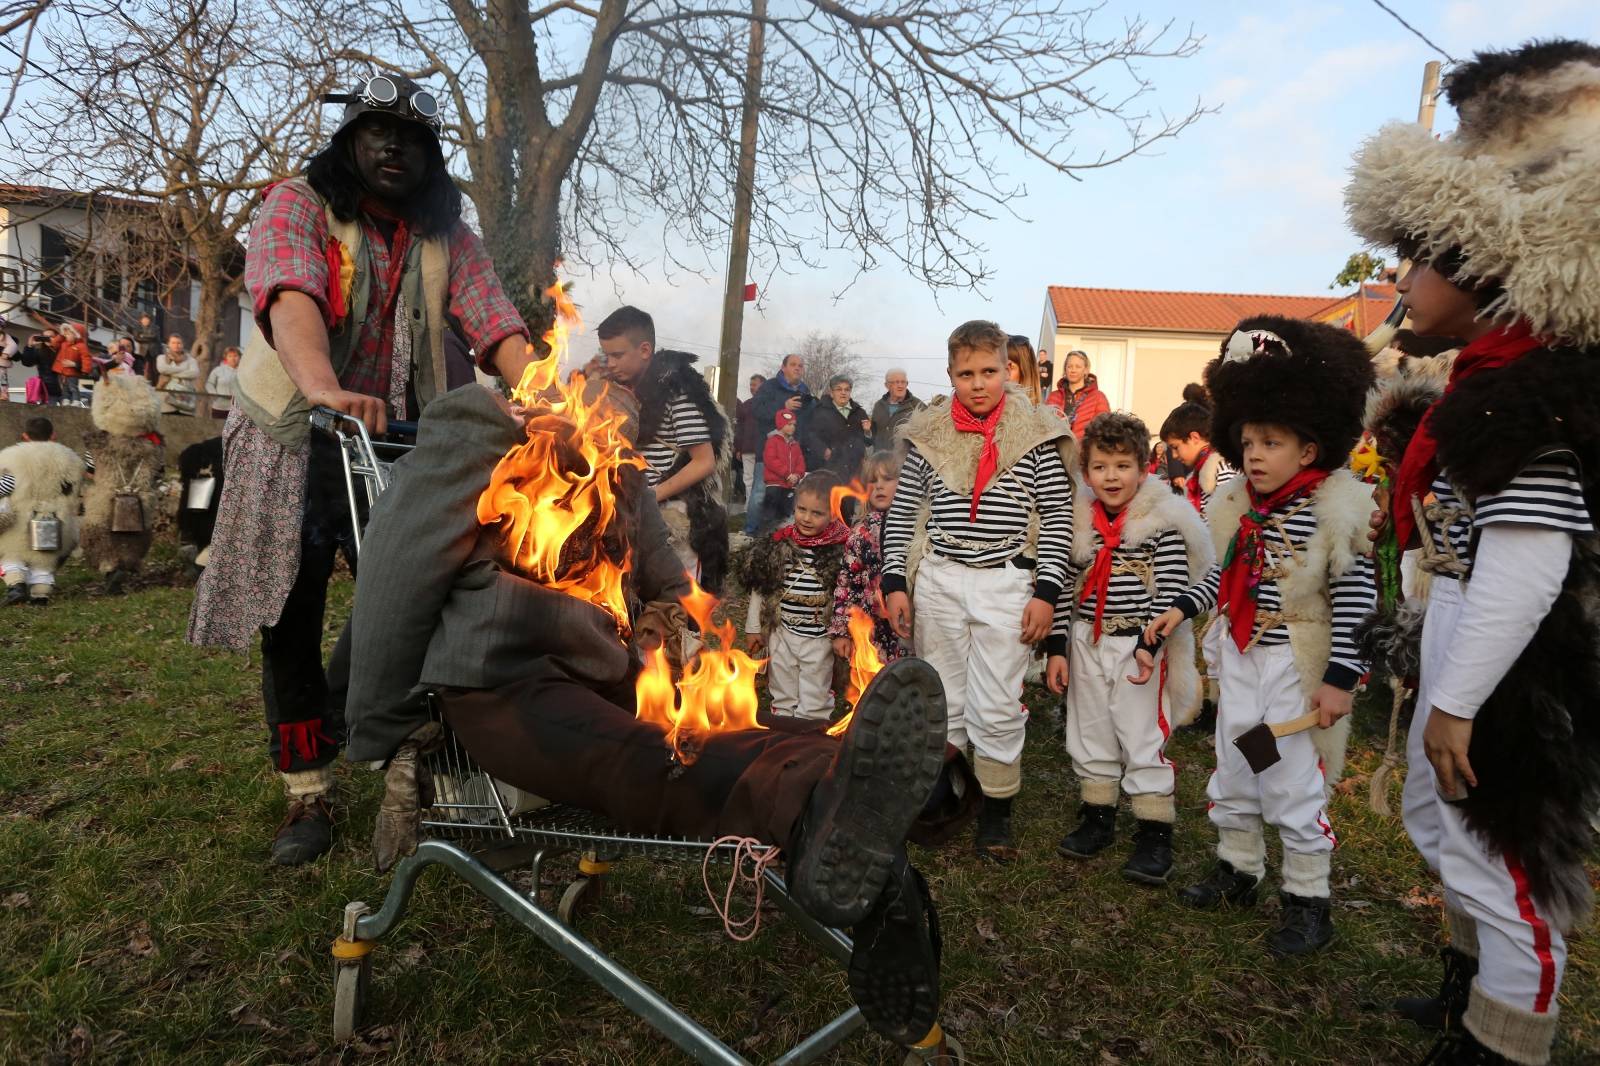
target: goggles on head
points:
(391, 95)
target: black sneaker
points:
(894, 963)
(993, 839)
(1444, 1010)
(1306, 925)
(306, 833)
(858, 815)
(1458, 1047)
(1097, 828)
(1151, 860)
(1223, 885)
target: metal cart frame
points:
(472, 830)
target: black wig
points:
(332, 173)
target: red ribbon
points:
(1099, 580)
(989, 457)
(1191, 487)
(300, 738)
(1241, 568)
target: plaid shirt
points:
(288, 243)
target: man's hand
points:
(898, 606)
(755, 644)
(1375, 522)
(1036, 619)
(792, 403)
(841, 647)
(1162, 625)
(1145, 667)
(866, 426)
(1331, 704)
(1056, 673)
(1446, 739)
(369, 409)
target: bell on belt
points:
(44, 533)
(127, 513)
(201, 492)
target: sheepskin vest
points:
(1343, 507)
(954, 456)
(767, 564)
(1153, 510)
(263, 389)
(48, 476)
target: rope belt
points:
(1431, 559)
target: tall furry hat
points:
(1308, 376)
(1514, 192)
(125, 405)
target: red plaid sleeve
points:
(476, 298)
(288, 245)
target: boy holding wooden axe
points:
(1294, 582)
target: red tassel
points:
(335, 259)
(303, 739)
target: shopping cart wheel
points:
(946, 1051)
(351, 986)
(578, 898)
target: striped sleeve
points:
(88, 461)
(1052, 495)
(901, 522)
(1172, 570)
(8, 484)
(1354, 594)
(1202, 596)
(1547, 493)
(1061, 625)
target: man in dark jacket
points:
(785, 389)
(147, 346)
(893, 410)
(835, 433)
(749, 438)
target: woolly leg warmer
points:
(999, 780)
(1097, 793)
(304, 784)
(1306, 874)
(1521, 1036)
(1148, 808)
(1243, 849)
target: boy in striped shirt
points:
(982, 522)
(1294, 582)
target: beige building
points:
(1144, 346)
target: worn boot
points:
(856, 821)
(1151, 860)
(16, 594)
(894, 963)
(994, 840)
(1443, 1010)
(1458, 1047)
(1097, 828)
(306, 832)
(1305, 925)
(1223, 885)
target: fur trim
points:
(1516, 188)
(1395, 641)
(125, 405)
(48, 477)
(769, 559)
(1396, 404)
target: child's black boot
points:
(1306, 925)
(1097, 828)
(1151, 860)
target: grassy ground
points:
(140, 921)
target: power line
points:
(1419, 34)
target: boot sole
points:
(888, 763)
(1249, 899)
(1067, 853)
(1146, 879)
(1310, 949)
(894, 968)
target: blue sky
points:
(1246, 201)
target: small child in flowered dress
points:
(863, 563)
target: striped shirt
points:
(804, 606)
(8, 484)
(682, 426)
(1353, 594)
(1164, 557)
(1037, 484)
(1547, 493)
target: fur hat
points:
(1308, 376)
(1515, 191)
(1396, 404)
(125, 405)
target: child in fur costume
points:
(38, 479)
(859, 578)
(982, 522)
(1135, 548)
(1502, 223)
(1294, 583)
(119, 510)
(791, 575)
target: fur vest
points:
(48, 476)
(769, 560)
(1536, 739)
(1152, 511)
(954, 456)
(122, 466)
(668, 375)
(1343, 507)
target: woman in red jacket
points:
(1078, 396)
(783, 464)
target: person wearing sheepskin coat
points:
(39, 480)
(120, 507)
(1498, 488)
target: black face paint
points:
(391, 156)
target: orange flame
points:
(718, 689)
(555, 493)
(865, 662)
(839, 493)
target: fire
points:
(555, 494)
(839, 493)
(865, 662)
(718, 689)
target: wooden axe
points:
(1259, 744)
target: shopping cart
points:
(484, 830)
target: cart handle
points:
(327, 420)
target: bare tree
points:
(580, 121)
(19, 21)
(192, 106)
(825, 355)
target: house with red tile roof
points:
(1145, 345)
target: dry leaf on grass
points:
(16, 901)
(245, 1017)
(183, 762)
(1416, 897)
(985, 927)
(140, 942)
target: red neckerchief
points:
(1421, 463)
(1191, 487)
(989, 457)
(1242, 566)
(1099, 580)
(836, 532)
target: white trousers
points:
(1521, 955)
(968, 626)
(800, 674)
(1264, 686)
(17, 572)
(1116, 730)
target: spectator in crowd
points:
(786, 390)
(1023, 367)
(783, 464)
(749, 440)
(1078, 396)
(835, 434)
(147, 346)
(121, 356)
(72, 362)
(38, 428)
(221, 380)
(1194, 392)
(40, 353)
(892, 410)
(180, 375)
(8, 355)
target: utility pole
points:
(1430, 95)
(743, 194)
